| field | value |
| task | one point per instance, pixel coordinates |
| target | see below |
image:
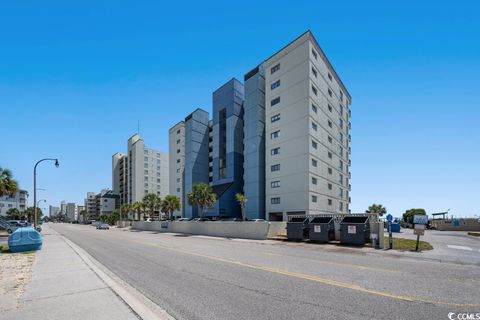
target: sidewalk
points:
(63, 286)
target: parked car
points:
(198, 219)
(103, 226)
(184, 219)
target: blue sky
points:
(75, 78)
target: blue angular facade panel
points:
(254, 143)
(196, 156)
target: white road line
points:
(459, 247)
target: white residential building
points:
(177, 162)
(306, 133)
(120, 177)
(147, 170)
(19, 202)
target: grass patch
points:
(474, 234)
(401, 244)
(4, 249)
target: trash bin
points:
(355, 230)
(321, 229)
(25, 239)
(297, 228)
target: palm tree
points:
(124, 210)
(152, 203)
(138, 207)
(377, 209)
(201, 196)
(170, 204)
(83, 213)
(8, 186)
(241, 200)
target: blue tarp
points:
(25, 239)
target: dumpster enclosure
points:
(321, 229)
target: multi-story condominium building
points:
(90, 204)
(53, 211)
(282, 138)
(63, 208)
(120, 177)
(105, 202)
(71, 212)
(177, 162)
(306, 132)
(19, 201)
(147, 170)
(196, 155)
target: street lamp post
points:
(35, 187)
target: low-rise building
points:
(19, 201)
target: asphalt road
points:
(194, 277)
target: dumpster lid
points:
(321, 220)
(354, 219)
(297, 219)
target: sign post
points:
(419, 223)
(390, 237)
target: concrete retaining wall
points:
(227, 229)
(456, 225)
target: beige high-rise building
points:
(177, 161)
(147, 171)
(306, 133)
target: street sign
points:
(419, 232)
(373, 236)
(317, 228)
(420, 219)
(419, 227)
(389, 217)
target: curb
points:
(142, 306)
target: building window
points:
(158, 168)
(158, 180)
(158, 155)
(340, 124)
(329, 76)
(314, 108)
(340, 192)
(178, 141)
(330, 108)
(275, 151)
(340, 165)
(178, 179)
(145, 159)
(330, 139)
(329, 186)
(274, 85)
(145, 178)
(158, 174)
(178, 160)
(341, 95)
(314, 163)
(275, 200)
(145, 185)
(145, 165)
(314, 198)
(314, 144)
(145, 171)
(341, 206)
(314, 90)
(341, 110)
(275, 101)
(314, 180)
(178, 170)
(330, 124)
(178, 131)
(340, 150)
(330, 171)
(158, 160)
(275, 167)
(314, 126)
(275, 68)
(315, 73)
(314, 54)
(275, 118)
(145, 151)
(178, 150)
(275, 184)
(329, 155)
(330, 93)
(330, 202)
(275, 134)
(340, 179)
(178, 189)
(341, 137)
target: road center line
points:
(309, 277)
